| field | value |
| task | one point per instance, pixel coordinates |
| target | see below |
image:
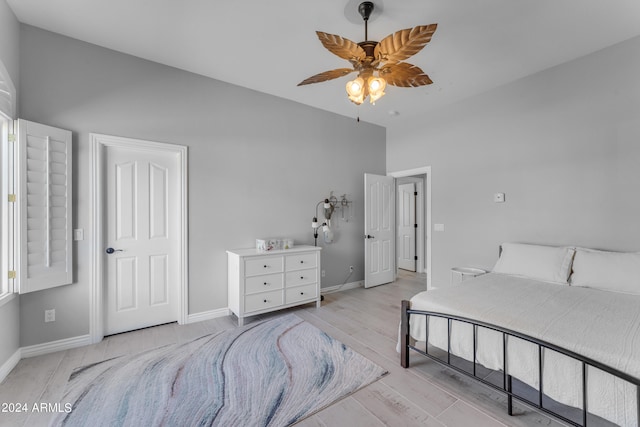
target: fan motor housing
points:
(368, 47)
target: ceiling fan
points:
(377, 63)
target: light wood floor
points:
(364, 319)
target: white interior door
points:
(407, 226)
(379, 229)
(141, 238)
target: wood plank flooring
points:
(364, 319)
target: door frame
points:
(424, 210)
(97, 145)
(8, 113)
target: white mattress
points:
(601, 325)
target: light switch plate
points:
(78, 234)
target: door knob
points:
(368, 236)
(111, 250)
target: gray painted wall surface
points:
(10, 332)
(9, 41)
(563, 144)
(9, 46)
(258, 164)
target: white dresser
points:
(259, 282)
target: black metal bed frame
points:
(405, 342)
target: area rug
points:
(273, 373)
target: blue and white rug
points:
(272, 373)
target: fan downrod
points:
(365, 9)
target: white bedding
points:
(601, 325)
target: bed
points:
(564, 318)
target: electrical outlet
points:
(351, 269)
(50, 315)
(322, 273)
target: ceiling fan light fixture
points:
(356, 90)
(376, 88)
(372, 60)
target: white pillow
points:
(546, 263)
(609, 271)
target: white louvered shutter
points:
(44, 196)
(7, 101)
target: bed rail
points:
(406, 347)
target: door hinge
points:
(12, 198)
(12, 137)
(415, 225)
(415, 257)
(415, 193)
(12, 274)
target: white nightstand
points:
(460, 274)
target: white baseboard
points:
(339, 288)
(221, 312)
(69, 343)
(53, 346)
(207, 315)
(10, 364)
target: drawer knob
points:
(265, 266)
(301, 277)
(301, 262)
(265, 300)
(265, 283)
(301, 293)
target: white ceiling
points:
(270, 46)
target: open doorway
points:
(413, 222)
(380, 226)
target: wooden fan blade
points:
(327, 75)
(404, 74)
(403, 44)
(344, 48)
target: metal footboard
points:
(406, 347)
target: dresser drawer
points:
(263, 265)
(267, 282)
(300, 293)
(301, 277)
(301, 261)
(262, 301)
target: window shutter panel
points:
(44, 196)
(7, 101)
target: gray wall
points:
(258, 164)
(9, 41)
(9, 46)
(563, 144)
